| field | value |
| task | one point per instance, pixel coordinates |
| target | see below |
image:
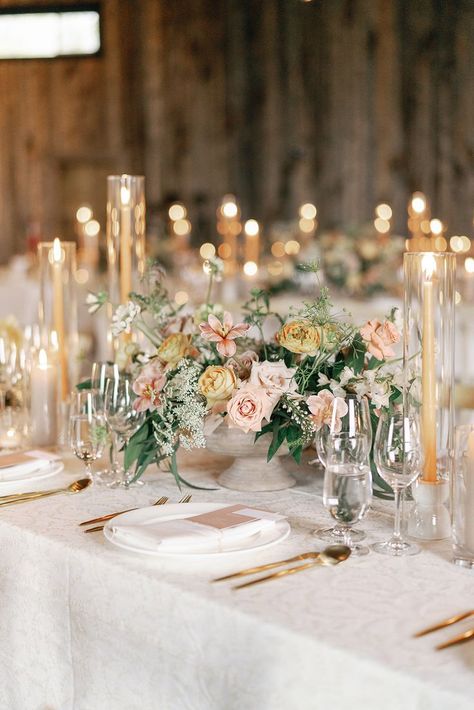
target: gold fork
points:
(461, 638)
(98, 528)
(109, 516)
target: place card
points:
(233, 516)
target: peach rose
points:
(217, 383)
(327, 409)
(300, 336)
(378, 338)
(249, 406)
(174, 348)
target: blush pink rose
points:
(148, 387)
(327, 409)
(249, 406)
(378, 338)
(275, 377)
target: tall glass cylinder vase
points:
(429, 284)
(125, 234)
(58, 317)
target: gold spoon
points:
(74, 487)
(331, 555)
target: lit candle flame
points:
(125, 195)
(428, 265)
(42, 359)
(57, 251)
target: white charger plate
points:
(266, 538)
(54, 468)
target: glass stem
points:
(88, 466)
(396, 527)
(113, 450)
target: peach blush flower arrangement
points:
(203, 368)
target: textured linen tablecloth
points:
(86, 626)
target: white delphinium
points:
(124, 316)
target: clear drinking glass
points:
(347, 489)
(399, 458)
(356, 422)
(101, 373)
(463, 497)
(123, 420)
(87, 433)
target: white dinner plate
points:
(44, 472)
(270, 536)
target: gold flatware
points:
(109, 516)
(462, 638)
(332, 555)
(270, 565)
(74, 487)
(98, 528)
(444, 623)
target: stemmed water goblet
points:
(347, 489)
(398, 457)
(353, 431)
(87, 433)
(123, 420)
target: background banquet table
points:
(90, 626)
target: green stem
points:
(141, 326)
(209, 289)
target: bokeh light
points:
(308, 211)
(383, 211)
(182, 227)
(250, 268)
(251, 228)
(92, 228)
(292, 247)
(436, 226)
(224, 251)
(382, 225)
(307, 225)
(83, 214)
(181, 297)
(207, 250)
(418, 202)
(177, 211)
(278, 249)
(469, 265)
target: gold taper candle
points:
(58, 314)
(428, 372)
(125, 245)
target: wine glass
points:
(347, 489)
(356, 421)
(398, 457)
(123, 420)
(87, 433)
(101, 373)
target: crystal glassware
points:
(123, 420)
(87, 433)
(356, 421)
(463, 497)
(398, 457)
(347, 489)
(101, 373)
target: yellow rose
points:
(299, 336)
(217, 383)
(331, 336)
(174, 348)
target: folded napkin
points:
(21, 465)
(197, 532)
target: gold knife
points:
(445, 622)
(269, 565)
(462, 638)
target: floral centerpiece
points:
(202, 370)
(361, 262)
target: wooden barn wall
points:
(342, 102)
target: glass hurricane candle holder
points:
(58, 310)
(429, 283)
(125, 234)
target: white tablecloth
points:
(86, 626)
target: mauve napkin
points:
(185, 534)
